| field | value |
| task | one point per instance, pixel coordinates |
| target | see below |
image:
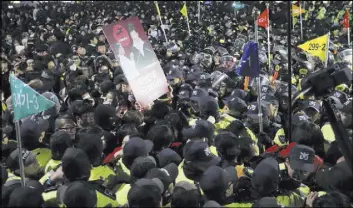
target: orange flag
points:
(262, 20)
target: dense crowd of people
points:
(200, 144)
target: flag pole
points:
(187, 18)
(301, 21)
(258, 80)
(268, 37)
(199, 11)
(327, 48)
(20, 160)
(348, 30)
(160, 19)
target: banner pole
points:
(165, 36)
(268, 37)
(327, 46)
(349, 36)
(160, 19)
(199, 11)
(258, 82)
(301, 21)
(187, 19)
(20, 160)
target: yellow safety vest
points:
(101, 173)
(280, 138)
(321, 14)
(242, 205)
(43, 156)
(121, 195)
(52, 164)
(328, 132)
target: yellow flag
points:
(296, 10)
(184, 11)
(316, 47)
(157, 7)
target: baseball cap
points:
(253, 110)
(32, 129)
(80, 194)
(198, 152)
(237, 104)
(76, 164)
(347, 107)
(167, 156)
(239, 93)
(25, 197)
(197, 94)
(167, 174)
(301, 157)
(141, 166)
(267, 90)
(28, 157)
(201, 129)
(311, 104)
(137, 147)
(146, 192)
(216, 178)
(212, 203)
(174, 73)
(183, 94)
(185, 194)
(265, 177)
(266, 202)
(269, 99)
(338, 177)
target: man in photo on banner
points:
(126, 64)
(141, 51)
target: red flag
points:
(262, 20)
(345, 21)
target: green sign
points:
(25, 100)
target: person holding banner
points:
(141, 52)
(126, 63)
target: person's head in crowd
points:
(83, 111)
(105, 87)
(76, 165)
(300, 162)
(331, 199)
(346, 114)
(309, 134)
(167, 175)
(104, 116)
(111, 98)
(201, 130)
(30, 162)
(167, 156)
(162, 137)
(217, 184)
(235, 107)
(135, 147)
(126, 130)
(146, 193)
(227, 146)
(26, 197)
(33, 132)
(159, 110)
(4, 175)
(92, 39)
(266, 202)
(185, 194)
(80, 194)
(197, 158)
(265, 178)
(141, 166)
(59, 142)
(101, 48)
(132, 117)
(92, 145)
(66, 123)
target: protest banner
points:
(132, 49)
